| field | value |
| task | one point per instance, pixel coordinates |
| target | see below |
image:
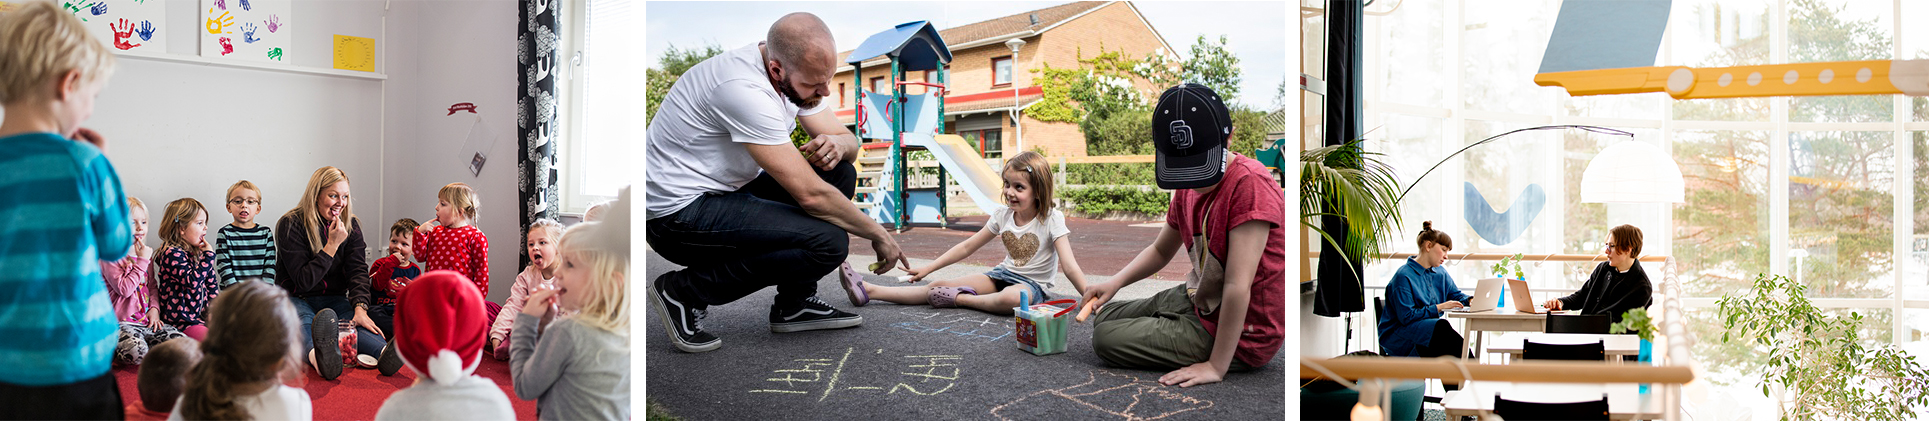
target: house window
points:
(878, 85)
(596, 140)
(989, 141)
(840, 94)
(930, 76)
(1001, 72)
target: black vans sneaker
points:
(326, 335)
(684, 322)
(813, 314)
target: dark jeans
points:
(366, 342)
(98, 398)
(734, 244)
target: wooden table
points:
(1616, 345)
(1498, 320)
(1625, 400)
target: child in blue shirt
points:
(64, 212)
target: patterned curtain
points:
(538, 67)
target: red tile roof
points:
(1009, 24)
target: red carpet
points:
(358, 393)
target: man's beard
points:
(783, 87)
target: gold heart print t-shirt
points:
(1028, 244)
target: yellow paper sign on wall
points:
(354, 53)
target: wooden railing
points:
(1525, 258)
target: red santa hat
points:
(440, 326)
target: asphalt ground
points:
(916, 362)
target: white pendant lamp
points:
(1632, 172)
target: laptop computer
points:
(1487, 297)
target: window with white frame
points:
(1825, 190)
(601, 127)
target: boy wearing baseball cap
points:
(1229, 216)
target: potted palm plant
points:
(1351, 183)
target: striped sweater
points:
(242, 253)
(61, 212)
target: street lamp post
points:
(1015, 44)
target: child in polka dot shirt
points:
(451, 241)
(184, 268)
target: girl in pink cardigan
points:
(133, 297)
(541, 273)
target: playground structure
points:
(912, 123)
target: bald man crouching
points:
(734, 202)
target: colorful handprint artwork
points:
(256, 30)
(124, 25)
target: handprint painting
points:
(248, 30)
(124, 25)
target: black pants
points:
(1447, 342)
(98, 398)
(734, 244)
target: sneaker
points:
(328, 357)
(390, 362)
(813, 314)
(684, 323)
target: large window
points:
(1831, 191)
(601, 122)
(989, 143)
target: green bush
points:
(1132, 174)
(1102, 200)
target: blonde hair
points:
(39, 43)
(551, 229)
(1038, 172)
(180, 213)
(252, 340)
(243, 184)
(605, 252)
(461, 197)
(305, 211)
(135, 203)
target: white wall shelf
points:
(288, 68)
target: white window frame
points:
(571, 98)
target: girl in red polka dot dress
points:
(451, 241)
(184, 268)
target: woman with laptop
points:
(1421, 292)
(1617, 285)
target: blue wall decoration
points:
(1500, 228)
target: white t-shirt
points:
(277, 403)
(1028, 244)
(695, 142)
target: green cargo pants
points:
(1157, 333)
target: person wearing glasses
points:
(1617, 285)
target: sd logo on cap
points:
(1190, 128)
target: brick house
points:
(984, 73)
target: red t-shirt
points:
(464, 250)
(1246, 193)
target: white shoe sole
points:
(817, 325)
(670, 326)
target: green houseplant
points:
(1818, 366)
(1350, 182)
(1509, 262)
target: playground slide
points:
(959, 158)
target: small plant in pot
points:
(1509, 262)
(1636, 321)
(1818, 366)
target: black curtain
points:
(1337, 287)
(537, 68)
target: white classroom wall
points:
(180, 129)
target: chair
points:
(1379, 310)
(1586, 410)
(1596, 351)
(1577, 323)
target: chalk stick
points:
(1086, 311)
(904, 278)
(875, 266)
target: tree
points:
(1101, 95)
(670, 67)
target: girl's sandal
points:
(947, 297)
